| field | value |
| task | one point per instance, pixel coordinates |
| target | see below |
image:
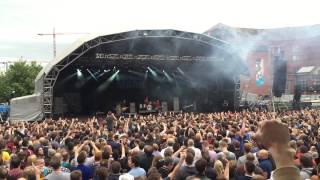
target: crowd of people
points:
(219, 146)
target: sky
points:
(22, 20)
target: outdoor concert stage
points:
(200, 72)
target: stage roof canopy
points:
(91, 41)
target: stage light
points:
(167, 76)
(152, 72)
(108, 81)
(111, 78)
(79, 73)
(103, 73)
(146, 74)
(92, 75)
(96, 73)
(180, 71)
(136, 73)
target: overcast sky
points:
(22, 20)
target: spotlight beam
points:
(136, 73)
(108, 82)
(146, 75)
(68, 78)
(103, 73)
(92, 75)
(153, 73)
(181, 71)
(167, 76)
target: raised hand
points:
(272, 132)
(275, 136)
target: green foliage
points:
(18, 80)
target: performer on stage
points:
(149, 106)
(146, 102)
(157, 106)
(124, 107)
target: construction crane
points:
(54, 34)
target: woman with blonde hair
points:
(218, 167)
(31, 160)
(221, 170)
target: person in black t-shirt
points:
(110, 121)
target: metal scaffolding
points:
(50, 78)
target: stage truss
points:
(50, 78)
(237, 93)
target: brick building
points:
(298, 46)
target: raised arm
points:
(123, 151)
(179, 151)
(64, 139)
(126, 126)
(173, 174)
(275, 136)
(95, 148)
(164, 129)
(78, 149)
(243, 127)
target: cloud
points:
(21, 21)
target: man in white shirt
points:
(196, 150)
(170, 143)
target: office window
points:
(295, 58)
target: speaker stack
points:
(279, 75)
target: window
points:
(295, 49)
(295, 58)
(275, 50)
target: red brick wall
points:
(306, 52)
(298, 52)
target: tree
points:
(18, 80)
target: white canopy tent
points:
(26, 108)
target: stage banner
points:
(260, 78)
